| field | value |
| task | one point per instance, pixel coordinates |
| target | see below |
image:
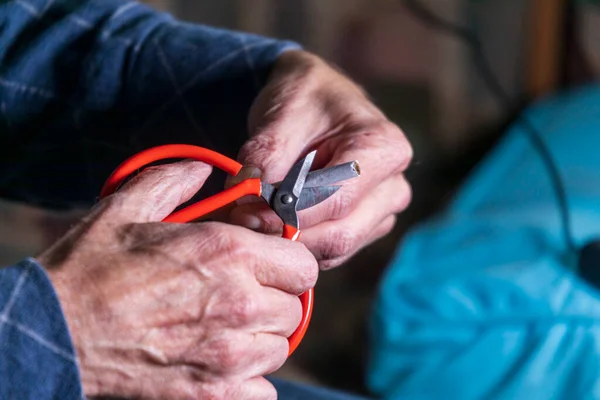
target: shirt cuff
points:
(37, 357)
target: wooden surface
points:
(545, 46)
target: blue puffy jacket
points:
(484, 301)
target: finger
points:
(382, 230)
(159, 383)
(382, 151)
(284, 265)
(272, 154)
(335, 239)
(261, 218)
(273, 261)
(236, 354)
(255, 389)
(184, 382)
(256, 216)
(157, 191)
(282, 312)
(281, 134)
(253, 309)
(156, 381)
(252, 389)
(265, 309)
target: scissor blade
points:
(332, 175)
(314, 196)
(294, 180)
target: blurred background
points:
(428, 80)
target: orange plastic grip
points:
(166, 152)
(249, 187)
(307, 299)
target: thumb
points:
(271, 152)
(288, 114)
(268, 156)
(157, 191)
(279, 136)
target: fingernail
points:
(250, 172)
(249, 221)
(245, 173)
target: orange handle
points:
(166, 152)
(307, 299)
(249, 187)
(210, 204)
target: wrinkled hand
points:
(176, 311)
(307, 105)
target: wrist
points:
(63, 283)
(61, 286)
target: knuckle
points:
(295, 312)
(282, 346)
(400, 145)
(360, 138)
(388, 127)
(226, 355)
(130, 235)
(247, 390)
(339, 243)
(398, 150)
(326, 265)
(310, 273)
(391, 129)
(189, 388)
(242, 309)
(224, 239)
(263, 143)
(214, 230)
(208, 394)
(383, 136)
(384, 229)
(388, 225)
(406, 155)
(270, 393)
(341, 205)
(275, 354)
(212, 392)
(263, 149)
(403, 196)
(114, 203)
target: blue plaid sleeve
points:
(83, 85)
(86, 83)
(37, 359)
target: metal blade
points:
(294, 180)
(332, 175)
(314, 196)
(267, 192)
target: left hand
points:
(308, 105)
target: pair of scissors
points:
(299, 190)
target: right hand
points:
(176, 311)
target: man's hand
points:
(172, 311)
(308, 105)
